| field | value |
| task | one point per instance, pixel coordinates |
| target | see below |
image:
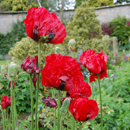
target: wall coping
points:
(111, 6)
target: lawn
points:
(2, 62)
(120, 53)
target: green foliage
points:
(124, 47)
(86, 30)
(115, 98)
(1, 57)
(27, 46)
(78, 2)
(18, 5)
(98, 3)
(120, 30)
(8, 40)
(121, 1)
(22, 91)
(5, 6)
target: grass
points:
(2, 62)
(120, 53)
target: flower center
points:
(51, 36)
(34, 34)
(62, 85)
(87, 118)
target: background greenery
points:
(8, 40)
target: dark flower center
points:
(102, 72)
(51, 36)
(87, 118)
(34, 34)
(62, 85)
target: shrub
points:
(5, 6)
(8, 40)
(98, 3)
(2, 57)
(22, 91)
(19, 5)
(27, 46)
(107, 29)
(120, 30)
(83, 28)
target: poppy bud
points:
(72, 45)
(12, 71)
(57, 50)
(65, 105)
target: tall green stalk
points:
(3, 119)
(100, 101)
(55, 119)
(37, 89)
(12, 106)
(31, 94)
(73, 124)
(93, 127)
(59, 109)
(80, 126)
(67, 121)
(15, 111)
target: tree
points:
(78, 2)
(121, 1)
(85, 28)
(98, 3)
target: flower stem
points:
(55, 120)
(37, 88)
(67, 121)
(31, 94)
(15, 112)
(73, 124)
(100, 101)
(59, 109)
(93, 99)
(80, 126)
(12, 106)
(3, 120)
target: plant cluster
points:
(85, 29)
(8, 40)
(121, 29)
(31, 49)
(22, 89)
(98, 3)
(16, 5)
(107, 29)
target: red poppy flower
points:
(61, 72)
(49, 102)
(95, 63)
(31, 66)
(83, 89)
(83, 109)
(5, 101)
(39, 22)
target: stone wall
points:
(105, 14)
(108, 13)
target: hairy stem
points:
(37, 88)
(31, 94)
(59, 109)
(100, 101)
